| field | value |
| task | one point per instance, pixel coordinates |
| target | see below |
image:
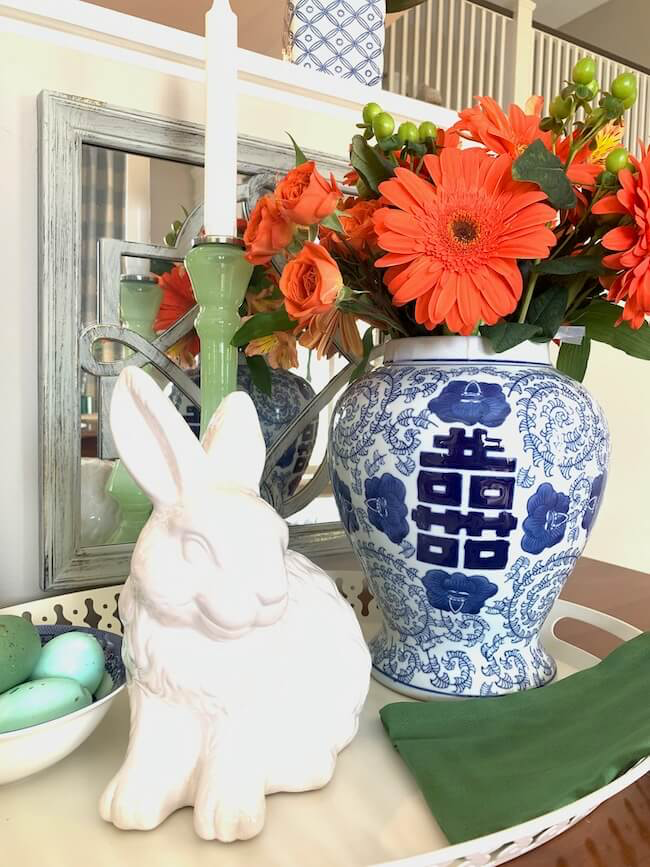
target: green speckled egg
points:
(74, 654)
(39, 701)
(105, 687)
(20, 647)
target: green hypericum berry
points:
(408, 132)
(584, 71)
(617, 160)
(383, 125)
(629, 101)
(593, 88)
(624, 85)
(560, 108)
(428, 130)
(370, 112)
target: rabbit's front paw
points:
(132, 804)
(228, 819)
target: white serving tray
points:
(371, 815)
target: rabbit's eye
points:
(195, 550)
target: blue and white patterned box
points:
(344, 38)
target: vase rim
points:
(463, 349)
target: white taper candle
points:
(220, 190)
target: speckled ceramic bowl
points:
(32, 749)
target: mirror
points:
(121, 196)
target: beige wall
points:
(260, 21)
(620, 26)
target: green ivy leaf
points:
(548, 310)
(506, 335)
(569, 265)
(261, 325)
(573, 359)
(600, 320)
(300, 156)
(538, 165)
(260, 373)
(360, 369)
(369, 163)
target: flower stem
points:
(528, 296)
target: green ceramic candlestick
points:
(140, 298)
(220, 275)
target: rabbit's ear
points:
(153, 440)
(234, 443)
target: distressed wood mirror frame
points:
(66, 123)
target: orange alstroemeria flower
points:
(324, 328)
(305, 197)
(452, 247)
(629, 243)
(310, 283)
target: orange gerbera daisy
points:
(177, 299)
(630, 243)
(453, 247)
(501, 133)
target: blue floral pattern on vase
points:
(344, 38)
(343, 499)
(290, 394)
(467, 489)
(594, 501)
(386, 507)
(458, 592)
(471, 402)
(547, 519)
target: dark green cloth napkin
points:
(485, 764)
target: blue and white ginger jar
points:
(290, 394)
(468, 483)
(344, 38)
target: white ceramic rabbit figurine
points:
(247, 670)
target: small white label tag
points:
(571, 334)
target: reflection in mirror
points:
(140, 199)
(134, 198)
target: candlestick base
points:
(220, 275)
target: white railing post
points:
(521, 51)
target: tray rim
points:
(493, 849)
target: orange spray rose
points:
(305, 197)
(310, 283)
(267, 233)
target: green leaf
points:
(333, 222)
(506, 335)
(260, 373)
(393, 6)
(600, 320)
(259, 280)
(573, 358)
(568, 265)
(300, 156)
(392, 143)
(369, 163)
(360, 369)
(364, 310)
(261, 325)
(548, 310)
(538, 165)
